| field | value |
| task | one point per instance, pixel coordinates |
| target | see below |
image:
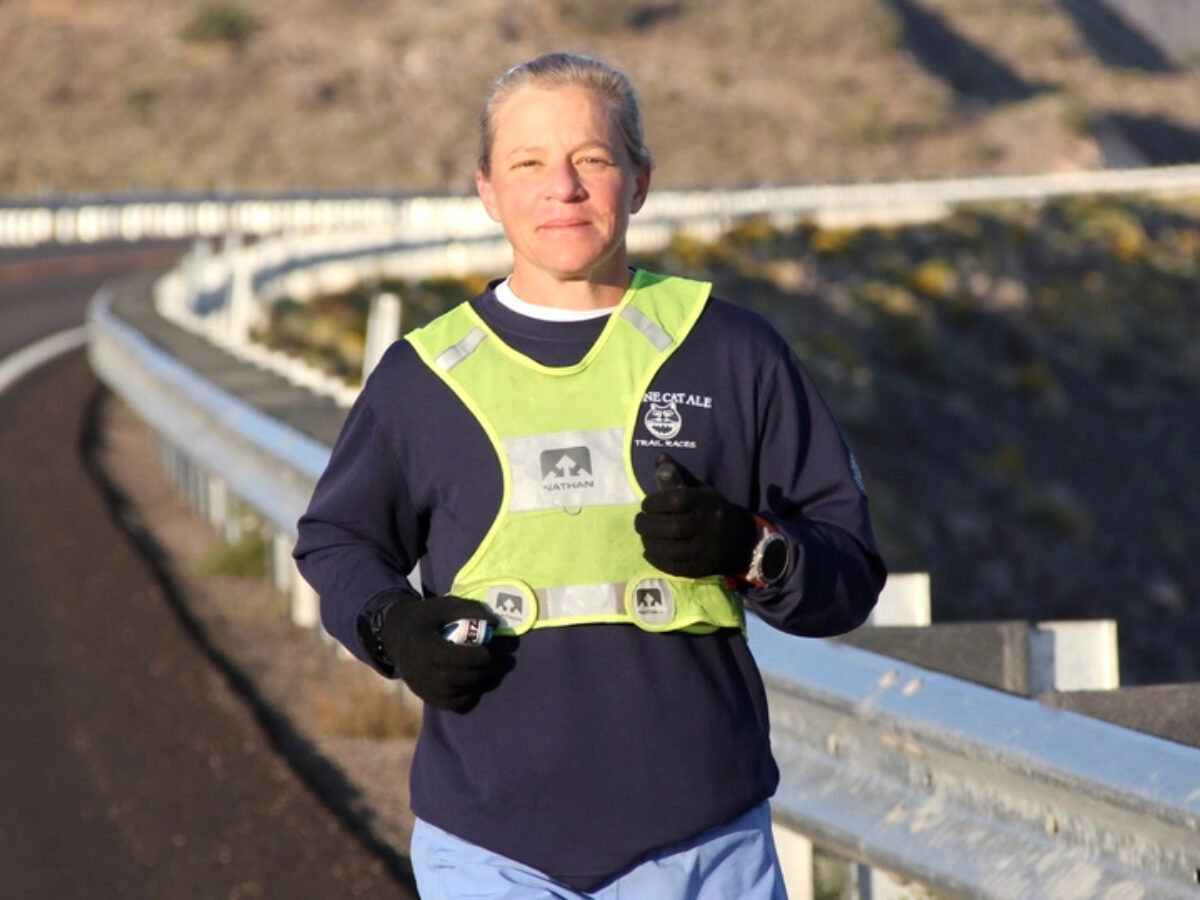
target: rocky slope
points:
(247, 94)
(1022, 389)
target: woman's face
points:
(563, 187)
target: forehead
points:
(531, 110)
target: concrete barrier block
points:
(994, 654)
(1168, 711)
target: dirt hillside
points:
(249, 94)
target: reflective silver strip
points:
(581, 600)
(568, 469)
(452, 356)
(653, 332)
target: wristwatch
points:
(370, 633)
(769, 559)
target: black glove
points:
(443, 674)
(689, 529)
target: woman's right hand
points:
(445, 675)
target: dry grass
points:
(356, 703)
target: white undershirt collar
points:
(504, 293)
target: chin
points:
(581, 265)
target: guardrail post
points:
(197, 480)
(283, 569)
(1073, 656)
(219, 508)
(383, 328)
(796, 861)
(194, 267)
(904, 601)
(240, 304)
(231, 246)
(306, 605)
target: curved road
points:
(128, 765)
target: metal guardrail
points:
(973, 791)
(968, 790)
(270, 465)
(93, 219)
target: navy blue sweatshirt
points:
(604, 742)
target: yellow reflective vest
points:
(562, 549)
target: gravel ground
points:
(348, 731)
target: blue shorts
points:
(737, 859)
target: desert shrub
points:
(358, 704)
(141, 100)
(934, 278)
(1078, 116)
(221, 21)
(1008, 463)
(753, 232)
(890, 301)
(1034, 379)
(428, 298)
(834, 241)
(245, 557)
(591, 17)
(693, 253)
(329, 332)
(865, 123)
(1057, 510)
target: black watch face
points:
(774, 560)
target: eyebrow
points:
(536, 148)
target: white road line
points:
(17, 365)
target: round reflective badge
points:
(515, 607)
(653, 601)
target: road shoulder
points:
(347, 731)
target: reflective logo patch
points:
(649, 599)
(509, 604)
(566, 463)
(568, 470)
(653, 601)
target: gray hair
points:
(556, 70)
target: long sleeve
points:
(752, 423)
(808, 485)
(358, 536)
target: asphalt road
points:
(129, 765)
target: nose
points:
(563, 183)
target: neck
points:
(580, 293)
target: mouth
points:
(563, 224)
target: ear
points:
(483, 187)
(641, 188)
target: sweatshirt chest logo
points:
(663, 420)
(664, 414)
